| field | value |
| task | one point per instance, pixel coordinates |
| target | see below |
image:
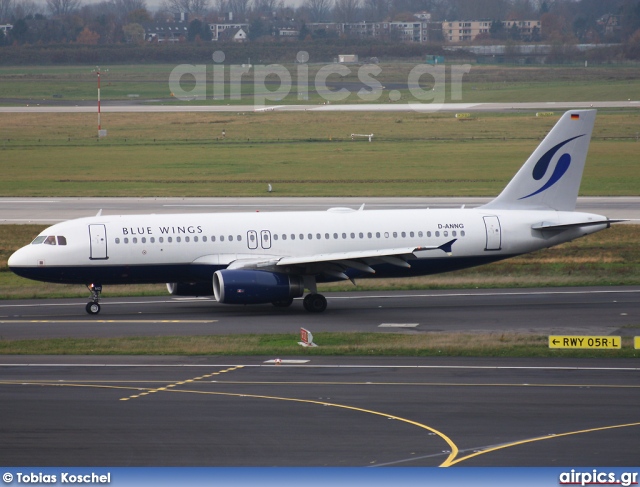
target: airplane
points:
(254, 258)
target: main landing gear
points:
(93, 306)
(314, 303)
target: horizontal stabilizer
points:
(564, 226)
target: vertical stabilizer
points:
(550, 179)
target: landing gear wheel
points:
(315, 303)
(283, 303)
(93, 306)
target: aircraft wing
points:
(334, 264)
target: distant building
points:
(165, 31)
(417, 31)
(409, 31)
(234, 35)
(610, 24)
(4, 28)
(218, 31)
(468, 30)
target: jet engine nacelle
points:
(232, 286)
(190, 288)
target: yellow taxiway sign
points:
(599, 342)
(636, 343)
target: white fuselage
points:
(190, 247)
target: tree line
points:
(121, 21)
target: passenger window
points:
(369, 235)
(213, 238)
(335, 235)
(446, 234)
(453, 234)
(275, 236)
(411, 234)
(62, 240)
(204, 239)
(462, 233)
(169, 239)
(230, 238)
(344, 235)
(160, 239)
(377, 234)
(222, 238)
(195, 239)
(50, 240)
(186, 239)
(395, 234)
(126, 240)
(117, 240)
(144, 240)
(178, 239)
(353, 235)
(239, 238)
(310, 236)
(437, 234)
(284, 236)
(326, 235)
(293, 237)
(429, 234)
(361, 235)
(135, 239)
(420, 234)
(386, 234)
(301, 236)
(404, 234)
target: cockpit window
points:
(50, 240)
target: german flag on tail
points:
(575, 116)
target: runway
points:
(211, 411)
(53, 210)
(542, 311)
(124, 107)
(323, 411)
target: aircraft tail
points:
(550, 179)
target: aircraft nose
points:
(14, 259)
(19, 259)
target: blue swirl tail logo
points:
(542, 166)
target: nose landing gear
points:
(93, 306)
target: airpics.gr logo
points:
(542, 166)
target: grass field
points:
(330, 344)
(480, 84)
(300, 154)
